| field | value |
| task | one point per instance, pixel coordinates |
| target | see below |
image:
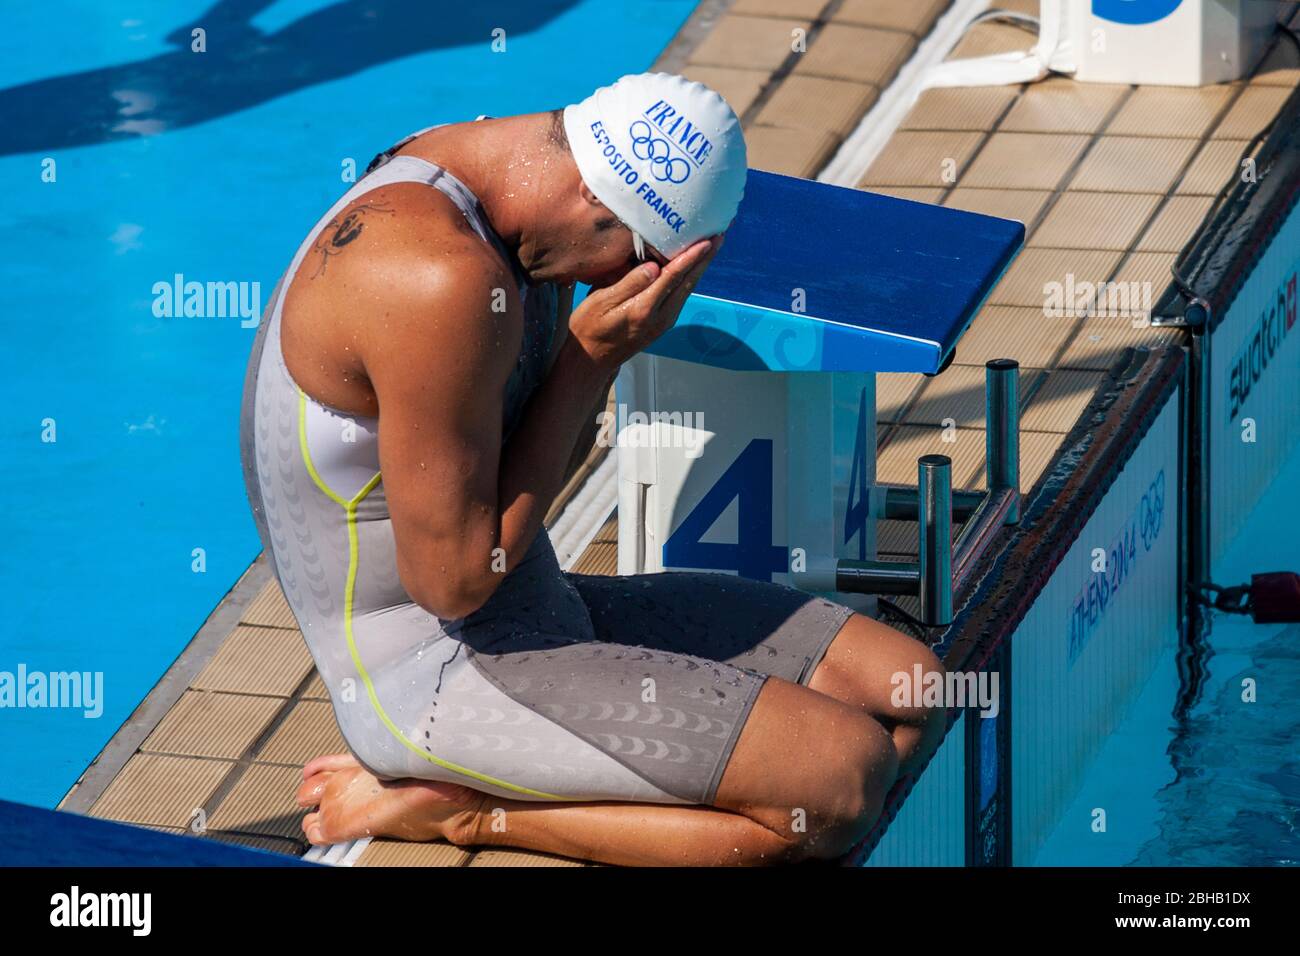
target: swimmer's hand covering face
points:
(614, 323)
(664, 154)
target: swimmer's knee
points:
(931, 721)
(920, 715)
(853, 795)
(873, 761)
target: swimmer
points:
(419, 392)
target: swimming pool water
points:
(1221, 788)
(210, 165)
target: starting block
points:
(749, 429)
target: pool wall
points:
(1235, 289)
(930, 829)
(1071, 610)
(1255, 385)
(1093, 636)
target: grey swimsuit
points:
(562, 686)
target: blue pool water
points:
(1221, 788)
(212, 166)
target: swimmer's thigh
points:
(772, 629)
(797, 748)
(524, 700)
(591, 720)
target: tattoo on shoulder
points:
(342, 230)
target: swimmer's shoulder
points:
(407, 242)
(417, 221)
(434, 303)
(399, 276)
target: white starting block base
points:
(763, 474)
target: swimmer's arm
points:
(465, 510)
(587, 437)
(563, 310)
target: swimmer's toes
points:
(311, 828)
(310, 791)
(350, 803)
(328, 762)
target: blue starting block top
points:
(888, 285)
(31, 836)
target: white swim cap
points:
(665, 154)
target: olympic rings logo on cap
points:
(664, 166)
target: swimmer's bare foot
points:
(350, 802)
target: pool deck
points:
(1111, 181)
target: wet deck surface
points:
(1111, 181)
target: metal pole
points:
(978, 535)
(1201, 345)
(903, 504)
(1002, 438)
(1193, 653)
(934, 482)
(877, 577)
